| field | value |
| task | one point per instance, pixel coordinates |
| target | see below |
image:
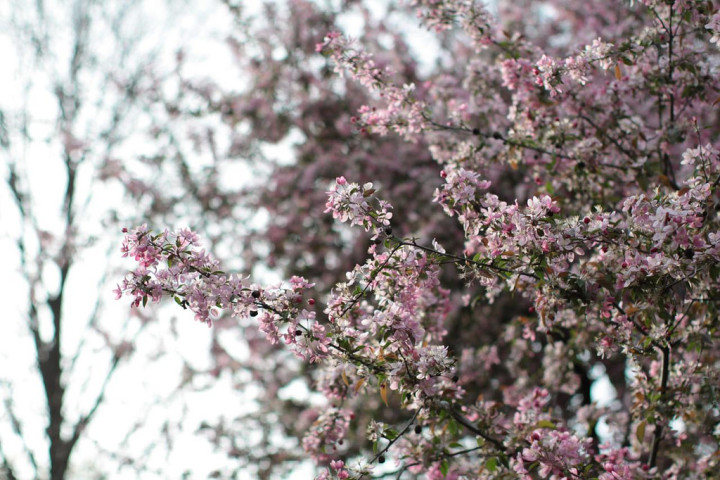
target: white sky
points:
(129, 390)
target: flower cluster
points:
(401, 111)
(471, 15)
(171, 264)
(349, 202)
(328, 432)
(583, 249)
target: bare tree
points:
(81, 95)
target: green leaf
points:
(491, 464)
(145, 300)
(640, 432)
(546, 424)
(390, 434)
(444, 467)
(453, 427)
(549, 188)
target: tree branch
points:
(657, 435)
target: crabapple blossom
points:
(576, 158)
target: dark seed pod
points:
(253, 313)
(255, 294)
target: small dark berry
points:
(388, 231)
(497, 135)
(418, 429)
(540, 232)
(586, 220)
(689, 253)
(377, 241)
(381, 459)
(581, 165)
(253, 313)
(476, 131)
(298, 333)
(455, 378)
(256, 294)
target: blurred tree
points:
(78, 130)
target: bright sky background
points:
(202, 29)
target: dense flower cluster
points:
(402, 112)
(584, 175)
(172, 264)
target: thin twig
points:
(657, 435)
